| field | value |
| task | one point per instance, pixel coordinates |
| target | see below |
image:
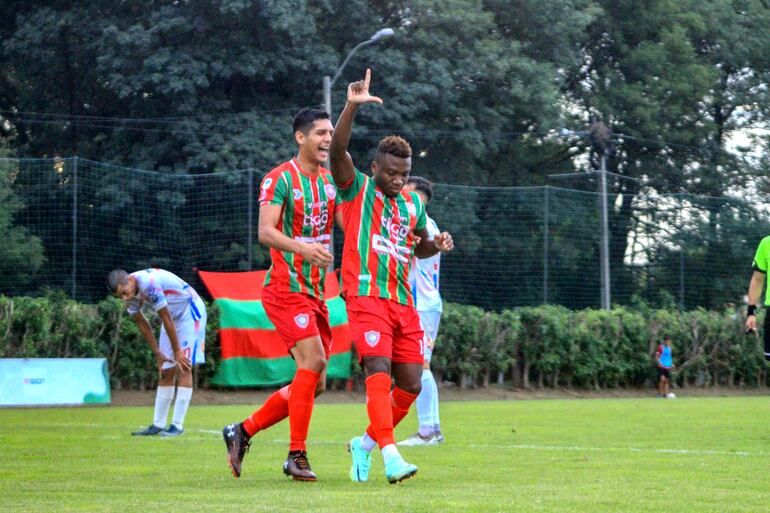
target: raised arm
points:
(341, 164)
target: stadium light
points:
(329, 81)
(601, 138)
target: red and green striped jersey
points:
(307, 214)
(379, 240)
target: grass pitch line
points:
(577, 448)
(566, 448)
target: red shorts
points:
(381, 327)
(297, 316)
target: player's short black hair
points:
(395, 145)
(305, 118)
(116, 277)
(667, 337)
(423, 185)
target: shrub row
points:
(545, 346)
(54, 326)
(555, 347)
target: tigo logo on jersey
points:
(297, 194)
(302, 320)
(317, 220)
(372, 338)
(331, 191)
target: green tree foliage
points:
(21, 254)
(479, 87)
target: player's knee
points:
(411, 387)
(316, 364)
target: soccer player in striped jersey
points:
(383, 227)
(296, 215)
(181, 342)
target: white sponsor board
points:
(51, 381)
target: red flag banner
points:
(253, 354)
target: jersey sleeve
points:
(348, 191)
(422, 218)
(761, 256)
(273, 189)
(432, 227)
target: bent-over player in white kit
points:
(423, 280)
(182, 337)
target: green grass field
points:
(613, 455)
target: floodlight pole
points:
(605, 245)
(328, 83)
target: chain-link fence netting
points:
(67, 222)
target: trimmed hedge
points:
(555, 347)
(55, 326)
(545, 346)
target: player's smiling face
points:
(314, 145)
(391, 173)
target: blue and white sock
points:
(183, 398)
(367, 442)
(424, 402)
(163, 398)
(434, 404)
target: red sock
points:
(379, 408)
(275, 409)
(400, 402)
(301, 407)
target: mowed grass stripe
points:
(573, 455)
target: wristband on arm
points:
(751, 310)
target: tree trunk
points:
(525, 375)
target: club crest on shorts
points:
(372, 338)
(302, 320)
(331, 191)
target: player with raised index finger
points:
(382, 226)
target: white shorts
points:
(191, 332)
(429, 322)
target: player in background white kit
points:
(182, 337)
(423, 280)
